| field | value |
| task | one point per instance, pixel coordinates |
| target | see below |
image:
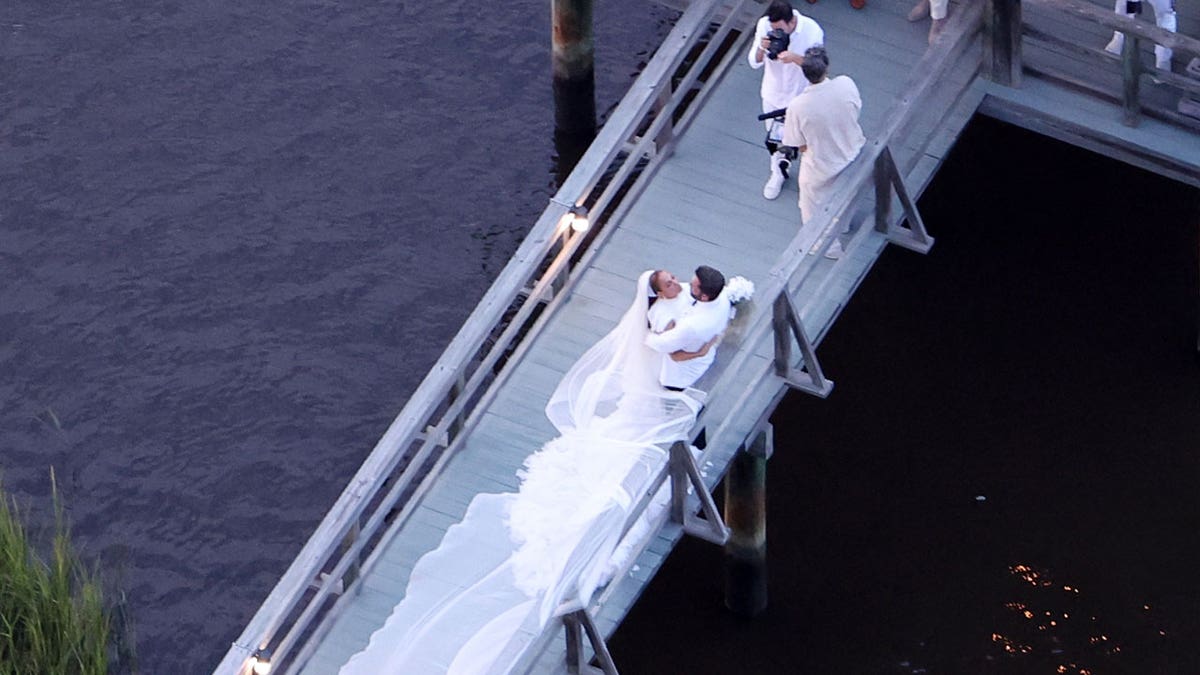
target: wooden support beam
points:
(883, 193)
(456, 424)
(746, 515)
(355, 568)
(684, 474)
(887, 177)
(787, 320)
(1131, 71)
(663, 139)
(579, 623)
(1002, 42)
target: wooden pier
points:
(674, 180)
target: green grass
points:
(53, 618)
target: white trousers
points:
(813, 194)
(1164, 16)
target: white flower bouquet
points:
(739, 289)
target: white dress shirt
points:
(781, 82)
(700, 323)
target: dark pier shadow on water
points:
(1007, 477)
(569, 148)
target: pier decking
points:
(698, 202)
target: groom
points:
(704, 319)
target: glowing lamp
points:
(579, 218)
(260, 662)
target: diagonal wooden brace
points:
(887, 177)
(788, 326)
(684, 472)
(577, 623)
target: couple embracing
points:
(517, 560)
(686, 327)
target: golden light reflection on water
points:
(1046, 624)
(1048, 612)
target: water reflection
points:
(1052, 625)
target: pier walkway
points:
(674, 180)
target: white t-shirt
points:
(782, 82)
(825, 118)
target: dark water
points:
(1006, 478)
(233, 238)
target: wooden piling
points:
(573, 57)
(746, 516)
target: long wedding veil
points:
(502, 574)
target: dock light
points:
(260, 662)
(579, 218)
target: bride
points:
(502, 574)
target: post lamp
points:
(579, 218)
(260, 662)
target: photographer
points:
(823, 123)
(780, 38)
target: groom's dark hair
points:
(712, 282)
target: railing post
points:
(577, 624)
(456, 425)
(355, 569)
(662, 107)
(783, 335)
(883, 193)
(1131, 71)
(787, 324)
(559, 281)
(1002, 42)
(684, 473)
(746, 516)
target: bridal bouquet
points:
(739, 289)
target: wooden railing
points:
(1004, 62)
(439, 414)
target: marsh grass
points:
(52, 613)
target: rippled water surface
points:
(233, 238)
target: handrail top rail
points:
(1122, 23)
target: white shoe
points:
(835, 250)
(779, 165)
(1116, 44)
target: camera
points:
(777, 41)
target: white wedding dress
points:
(503, 573)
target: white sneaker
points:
(774, 186)
(835, 250)
(1116, 44)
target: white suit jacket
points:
(700, 323)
